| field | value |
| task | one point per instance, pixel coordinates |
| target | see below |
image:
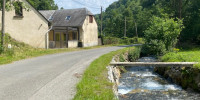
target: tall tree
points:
(43, 4)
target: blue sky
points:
(92, 5)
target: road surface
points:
(50, 77)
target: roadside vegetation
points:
(191, 55)
(94, 84)
(162, 35)
(116, 41)
(19, 51)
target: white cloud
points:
(92, 5)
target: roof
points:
(47, 13)
(78, 16)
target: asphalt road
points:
(50, 77)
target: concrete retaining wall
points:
(114, 74)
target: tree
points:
(61, 8)
(161, 36)
(43, 4)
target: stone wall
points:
(114, 75)
(114, 72)
(187, 77)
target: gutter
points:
(47, 37)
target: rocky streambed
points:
(142, 83)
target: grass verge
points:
(94, 84)
(191, 55)
(13, 55)
(21, 51)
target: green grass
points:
(25, 53)
(192, 55)
(94, 84)
(21, 51)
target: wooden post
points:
(60, 39)
(54, 38)
(101, 20)
(67, 39)
(156, 64)
(125, 28)
(180, 9)
(3, 24)
(136, 30)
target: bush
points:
(155, 48)
(111, 40)
(1, 49)
(161, 36)
(134, 54)
(115, 40)
(121, 58)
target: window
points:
(18, 8)
(73, 35)
(50, 18)
(57, 36)
(68, 18)
(91, 19)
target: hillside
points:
(138, 13)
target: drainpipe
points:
(47, 37)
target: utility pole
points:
(136, 30)
(101, 20)
(180, 9)
(125, 28)
(3, 23)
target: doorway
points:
(61, 40)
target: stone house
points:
(29, 27)
(71, 28)
(54, 29)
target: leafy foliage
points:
(115, 40)
(134, 54)
(43, 4)
(161, 35)
(191, 55)
(139, 13)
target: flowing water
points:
(141, 83)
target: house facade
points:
(71, 28)
(30, 27)
(51, 28)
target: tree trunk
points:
(136, 30)
(180, 8)
(3, 25)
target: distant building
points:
(71, 28)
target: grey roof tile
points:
(59, 16)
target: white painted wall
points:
(89, 33)
(72, 43)
(30, 29)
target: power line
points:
(58, 1)
(84, 4)
(89, 3)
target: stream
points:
(141, 83)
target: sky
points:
(93, 5)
